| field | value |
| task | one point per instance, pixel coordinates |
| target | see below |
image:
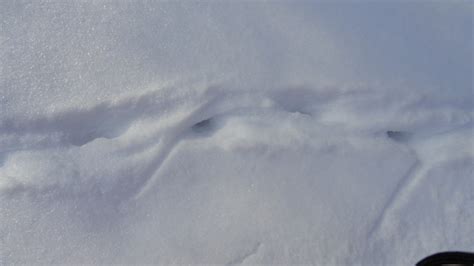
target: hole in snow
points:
(399, 136)
(203, 126)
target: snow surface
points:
(235, 132)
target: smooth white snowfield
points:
(235, 132)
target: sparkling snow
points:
(235, 132)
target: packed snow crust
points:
(235, 133)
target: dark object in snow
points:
(448, 258)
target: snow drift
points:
(238, 133)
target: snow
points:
(235, 133)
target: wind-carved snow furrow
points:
(395, 198)
(111, 119)
(108, 119)
(198, 123)
(241, 259)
